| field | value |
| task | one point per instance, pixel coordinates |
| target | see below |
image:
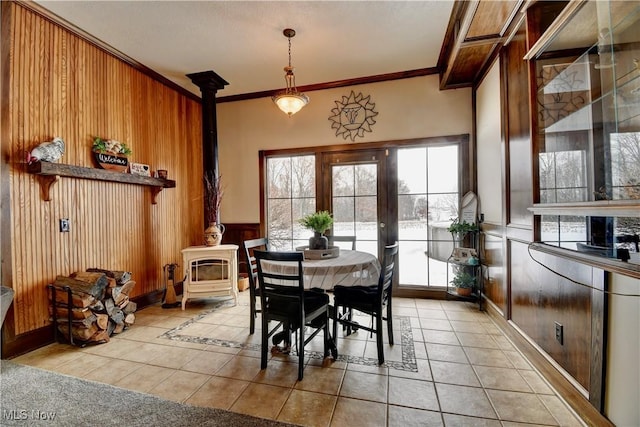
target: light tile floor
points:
(450, 366)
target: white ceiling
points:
(242, 41)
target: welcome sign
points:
(112, 161)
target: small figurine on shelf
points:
(50, 151)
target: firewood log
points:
(98, 280)
(109, 306)
(79, 299)
(123, 300)
(112, 284)
(131, 307)
(100, 336)
(118, 328)
(117, 316)
(98, 307)
(110, 327)
(78, 332)
(119, 292)
(121, 276)
(129, 319)
(76, 313)
(94, 288)
(81, 323)
(102, 320)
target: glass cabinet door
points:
(588, 130)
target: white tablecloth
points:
(350, 268)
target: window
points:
(290, 194)
(406, 191)
(428, 195)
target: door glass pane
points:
(443, 177)
(354, 203)
(290, 191)
(428, 196)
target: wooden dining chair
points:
(352, 239)
(284, 299)
(370, 300)
(254, 288)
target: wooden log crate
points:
(90, 306)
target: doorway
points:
(354, 191)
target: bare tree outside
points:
(290, 196)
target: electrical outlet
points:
(64, 225)
(559, 333)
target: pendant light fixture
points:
(290, 100)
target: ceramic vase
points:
(213, 234)
(318, 241)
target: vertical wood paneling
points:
(61, 85)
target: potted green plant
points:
(318, 222)
(463, 282)
(463, 227)
(460, 229)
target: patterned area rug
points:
(202, 330)
(34, 397)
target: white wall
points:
(489, 146)
(622, 402)
(408, 108)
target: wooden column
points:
(209, 83)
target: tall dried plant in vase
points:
(212, 197)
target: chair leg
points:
(252, 315)
(390, 323)
(265, 342)
(326, 335)
(336, 316)
(379, 338)
(301, 352)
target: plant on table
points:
(318, 222)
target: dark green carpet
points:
(31, 396)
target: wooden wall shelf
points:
(50, 173)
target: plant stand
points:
(465, 262)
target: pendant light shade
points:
(290, 101)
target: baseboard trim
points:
(572, 395)
(32, 340)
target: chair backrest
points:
(283, 278)
(352, 239)
(385, 283)
(249, 247)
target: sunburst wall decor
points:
(353, 116)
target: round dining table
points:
(349, 268)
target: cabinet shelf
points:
(49, 173)
(625, 208)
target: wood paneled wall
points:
(62, 85)
(493, 258)
(529, 296)
(540, 297)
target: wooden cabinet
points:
(586, 130)
(210, 271)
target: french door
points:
(406, 192)
(354, 189)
